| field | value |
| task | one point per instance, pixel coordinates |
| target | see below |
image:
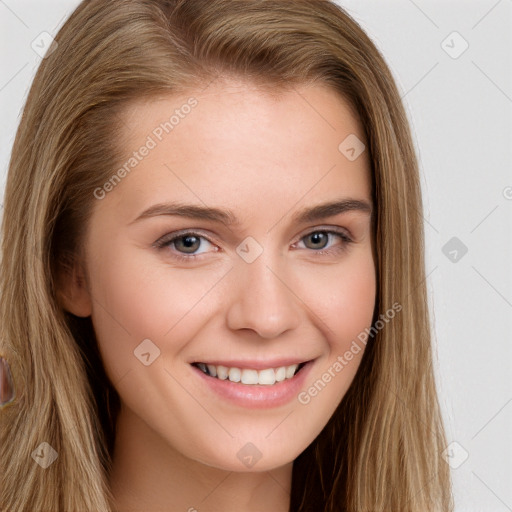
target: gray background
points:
(460, 107)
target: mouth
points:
(250, 376)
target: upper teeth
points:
(246, 376)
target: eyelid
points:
(335, 229)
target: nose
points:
(262, 299)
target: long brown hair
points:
(381, 450)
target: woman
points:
(263, 372)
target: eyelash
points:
(165, 241)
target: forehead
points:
(230, 107)
(235, 143)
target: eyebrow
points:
(227, 217)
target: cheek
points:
(342, 297)
(353, 311)
(135, 299)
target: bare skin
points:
(264, 158)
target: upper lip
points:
(254, 364)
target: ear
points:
(72, 287)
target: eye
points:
(319, 239)
(186, 244)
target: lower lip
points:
(257, 396)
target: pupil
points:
(317, 237)
(189, 242)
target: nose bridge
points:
(262, 299)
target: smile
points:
(249, 376)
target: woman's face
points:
(212, 247)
